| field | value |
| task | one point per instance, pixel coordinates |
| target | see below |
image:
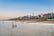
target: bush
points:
(42, 19)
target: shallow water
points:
(25, 29)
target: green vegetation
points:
(42, 19)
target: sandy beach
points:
(34, 21)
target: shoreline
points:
(33, 21)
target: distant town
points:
(41, 17)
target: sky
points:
(15, 8)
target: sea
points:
(13, 28)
